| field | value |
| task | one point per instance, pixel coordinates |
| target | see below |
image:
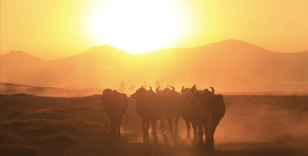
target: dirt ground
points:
(252, 125)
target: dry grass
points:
(77, 126)
(21, 124)
(62, 136)
(45, 114)
(79, 108)
(38, 127)
(7, 137)
(19, 150)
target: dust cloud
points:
(277, 120)
(249, 122)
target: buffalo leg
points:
(187, 129)
(215, 122)
(111, 124)
(143, 130)
(154, 123)
(176, 123)
(147, 124)
(170, 126)
(162, 126)
(118, 127)
(207, 132)
(200, 134)
(143, 126)
(113, 127)
(194, 126)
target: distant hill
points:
(11, 89)
(18, 66)
(229, 66)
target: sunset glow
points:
(154, 77)
(57, 28)
(137, 26)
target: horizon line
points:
(149, 51)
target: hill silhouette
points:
(13, 89)
(17, 66)
(229, 66)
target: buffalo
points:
(146, 108)
(151, 106)
(169, 100)
(183, 110)
(206, 109)
(115, 105)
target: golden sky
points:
(52, 29)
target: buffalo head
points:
(151, 90)
(140, 93)
(206, 91)
(186, 91)
(107, 94)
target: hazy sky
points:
(56, 28)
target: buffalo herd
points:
(201, 109)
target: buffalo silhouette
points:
(115, 105)
(146, 108)
(169, 100)
(206, 111)
(151, 106)
(183, 110)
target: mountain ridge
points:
(21, 54)
(145, 53)
(227, 65)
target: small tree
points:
(122, 87)
(132, 88)
(167, 85)
(145, 85)
(157, 84)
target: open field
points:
(253, 125)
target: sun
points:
(137, 25)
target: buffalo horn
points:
(157, 90)
(213, 91)
(193, 89)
